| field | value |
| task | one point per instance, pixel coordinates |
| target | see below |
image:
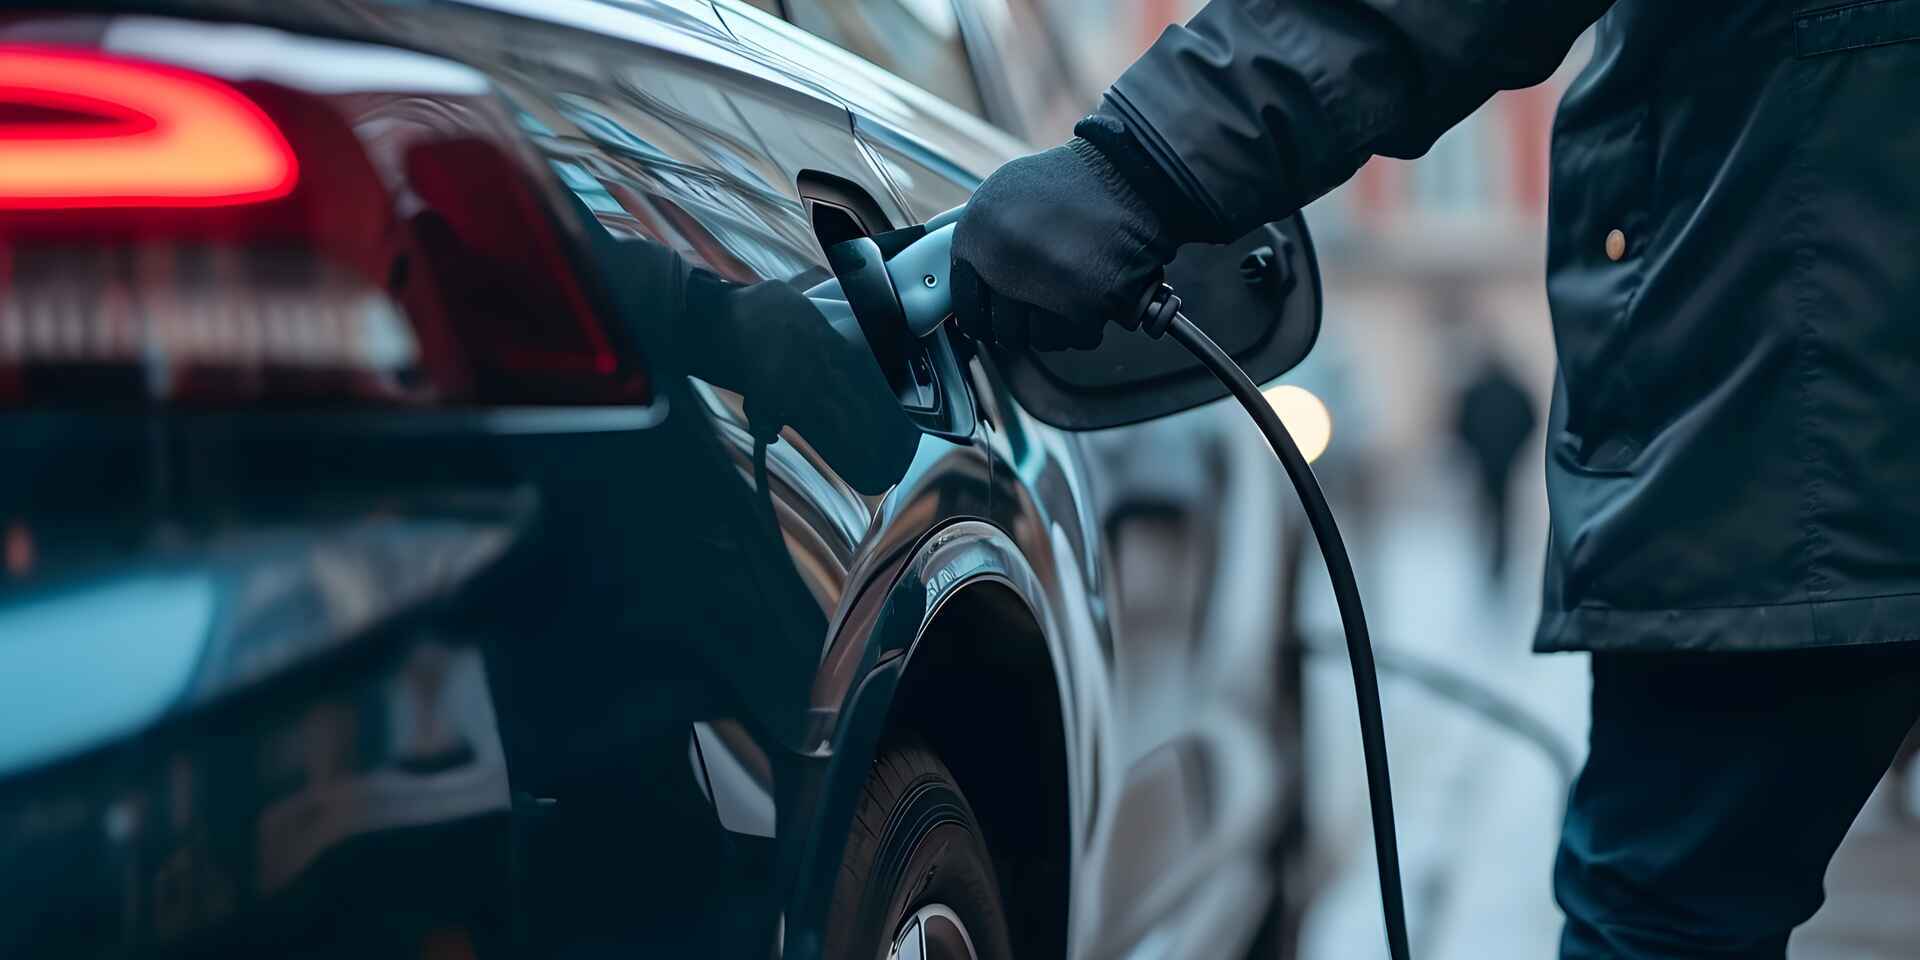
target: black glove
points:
(1052, 248)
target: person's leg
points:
(1715, 793)
(1500, 515)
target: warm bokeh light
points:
(18, 549)
(1306, 418)
(143, 135)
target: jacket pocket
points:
(1603, 183)
(1851, 26)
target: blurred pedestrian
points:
(1731, 264)
(1494, 421)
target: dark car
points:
(445, 512)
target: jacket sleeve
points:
(1257, 107)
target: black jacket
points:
(1733, 459)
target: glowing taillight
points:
(145, 262)
(110, 132)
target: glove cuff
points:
(1181, 220)
(1153, 234)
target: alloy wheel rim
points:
(934, 932)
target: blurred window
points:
(1046, 91)
(916, 40)
(1457, 174)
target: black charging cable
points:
(1159, 315)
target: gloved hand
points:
(1052, 248)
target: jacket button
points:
(1616, 245)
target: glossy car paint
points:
(537, 677)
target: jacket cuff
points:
(1184, 217)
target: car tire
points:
(916, 869)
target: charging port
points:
(924, 374)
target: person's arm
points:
(1239, 118)
(1257, 107)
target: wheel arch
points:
(994, 711)
(981, 691)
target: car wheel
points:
(916, 882)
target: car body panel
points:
(533, 678)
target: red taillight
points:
(140, 268)
(106, 132)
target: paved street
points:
(1873, 890)
(1479, 808)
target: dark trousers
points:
(1716, 791)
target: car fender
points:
(949, 561)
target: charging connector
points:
(1159, 307)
